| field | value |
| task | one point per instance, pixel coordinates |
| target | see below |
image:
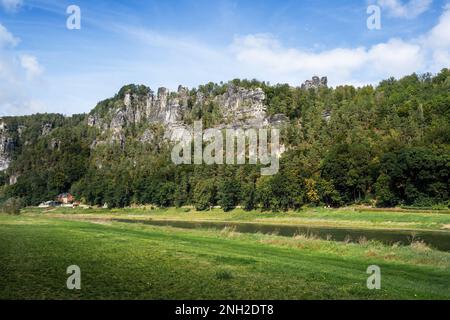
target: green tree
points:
(228, 194)
(204, 194)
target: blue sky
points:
(44, 67)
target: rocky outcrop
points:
(147, 137)
(168, 108)
(239, 108)
(13, 179)
(93, 121)
(326, 115)
(164, 108)
(243, 108)
(6, 146)
(55, 144)
(315, 83)
(46, 129)
(15, 134)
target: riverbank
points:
(353, 217)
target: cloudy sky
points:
(45, 67)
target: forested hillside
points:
(387, 145)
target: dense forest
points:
(387, 145)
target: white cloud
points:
(263, 51)
(267, 58)
(439, 36)
(26, 107)
(11, 5)
(411, 9)
(264, 57)
(161, 59)
(438, 41)
(395, 58)
(31, 65)
(18, 75)
(348, 65)
(6, 38)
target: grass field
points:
(133, 261)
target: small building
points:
(65, 198)
(49, 204)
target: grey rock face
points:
(243, 107)
(326, 115)
(164, 108)
(11, 137)
(46, 128)
(240, 108)
(20, 130)
(6, 146)
(4, 163)
(13, 179)
(315, 83)
(168, 108)
(55, 144)
(92, 120)
(147, 137)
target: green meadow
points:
(136, 261)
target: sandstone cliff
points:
(6, 146)
(140, 106)
(137, 112)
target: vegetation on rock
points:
(387, 145)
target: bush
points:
(12, 206)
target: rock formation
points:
(239, 107)
(153, 118)
(6, 146)
(315, 83)
(46, 129)
(243, 108)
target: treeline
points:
(50, 152)
(411, 176)
(385, 146)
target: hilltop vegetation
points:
(387, 145)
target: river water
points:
(437, 239)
